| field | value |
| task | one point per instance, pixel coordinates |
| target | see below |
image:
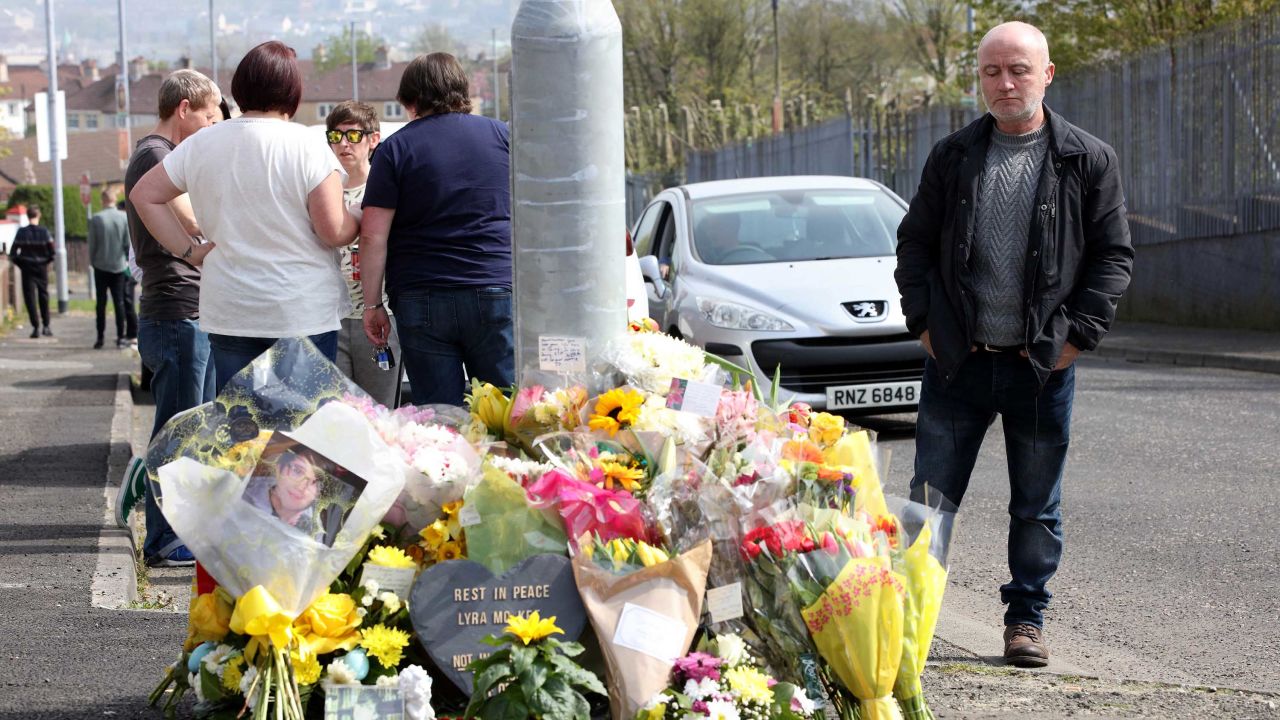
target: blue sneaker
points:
(178, 557)
(132, 489)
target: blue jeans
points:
(177, 354)
(445, 329)
(950, 426)
(233, 353)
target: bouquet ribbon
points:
(258, 615)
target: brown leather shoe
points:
(1024, 646)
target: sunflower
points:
(449, 551)
(626, 477)
(529, 629)
(615, 410)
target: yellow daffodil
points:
(825, 429)
(532, 628)
(451, 509)
(616, 409)
(750, 684)
(435, 535)
(390, 557)
(625, 477)
(384, 643)
(329, 624)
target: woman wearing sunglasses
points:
(269, 199)
(351, 130)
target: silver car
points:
(790, 272)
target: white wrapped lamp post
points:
(568, 170)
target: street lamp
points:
(777, 74)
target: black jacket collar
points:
(1062, 134)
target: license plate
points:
(854, 397)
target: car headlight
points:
(733, 316)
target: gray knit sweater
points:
(1005, 203)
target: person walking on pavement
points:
(1011, 261)
(437, 219)
(352, 132)
(32, 251)
(109, 256)
(130, 291)
(170, 341)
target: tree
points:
(720, 37)
(933, 33)
(652, 51)
(336, 51)
(435, 37)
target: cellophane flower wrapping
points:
(853, 605)
(658, 606)
(508, 528)
(291, 387)
(927, 527)
(443, 464)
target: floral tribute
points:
(773, 505)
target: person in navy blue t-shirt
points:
(437, 219)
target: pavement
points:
(86, 631)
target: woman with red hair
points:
(268, 197)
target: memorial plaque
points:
(456, 603)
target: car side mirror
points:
(652, 272)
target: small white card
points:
(650, 632)
(725, 602)
(558, 353)
(694, 397)
(468, 516)
(397, 580)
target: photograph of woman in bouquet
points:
(303, 489)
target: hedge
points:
(72, 210)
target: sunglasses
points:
(353, 136)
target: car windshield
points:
(795, 225)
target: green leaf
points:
(482, 664)
(575, 674)
(570, 649)
(554, 700)
(500, 707)
(489, 677)
(532, 679)
(496, 640)
(522, 658)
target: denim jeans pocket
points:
(495, 306)
(156, 340)
(412, 312)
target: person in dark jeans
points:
(1011, 261)
(109, 256)
(32, 251)
(170, 341)
(437, 219)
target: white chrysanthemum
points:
(655, 701)
(721, 710)
(650, 360)
(216, 661)
(371, 586)
(193, 679)
(339, 672)
(367, 600)
(701, 689)
(415, 685)
(519, 468)
(361, 612)
(686, 428)
(389, 601)
(246, 683)
(731, 649)
(388, 681)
